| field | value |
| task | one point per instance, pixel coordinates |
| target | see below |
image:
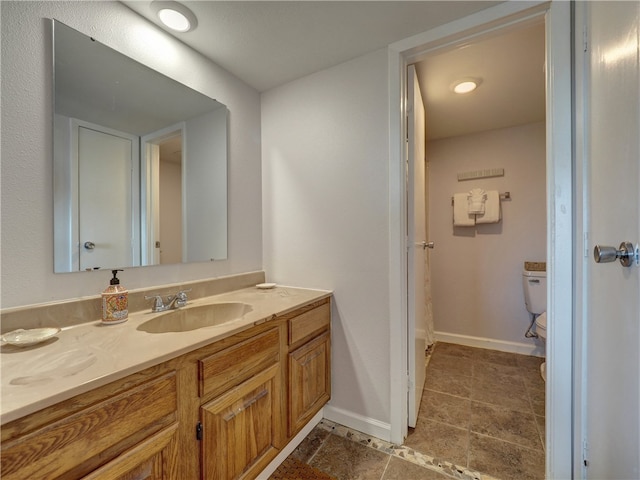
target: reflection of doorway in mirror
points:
(170, 214)
(162, 194)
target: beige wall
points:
(476, 271)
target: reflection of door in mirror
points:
(162, 196)
(104, 198)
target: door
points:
(417, 243)
(612, 156)
(105, 209)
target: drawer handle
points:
(245, 405)
(308, 359)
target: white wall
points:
(325, 216)
(476, 271)
(170, 213)
(26, 165)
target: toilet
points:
(534, 285)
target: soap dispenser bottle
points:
(115, 307)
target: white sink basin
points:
(199, 316)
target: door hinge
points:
(199, 431)
(585, 40)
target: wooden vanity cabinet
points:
(221, 412)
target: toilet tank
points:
(534, 285)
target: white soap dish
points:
(32, 336)
(265, 286)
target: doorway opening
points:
(557, 128)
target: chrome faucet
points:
(175, 301)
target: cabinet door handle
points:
(245, 405)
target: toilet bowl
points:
(541, 330)
(534, 285)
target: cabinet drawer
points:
(229, 367)
(83, 441)
(310, 323)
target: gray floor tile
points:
(440, 381)
(440, 441)
(348, 460)
(504, 424)
(445, 409)
(505, 460)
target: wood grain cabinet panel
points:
(233, 365)
(77, 444)
(241, 430)
(152, 459)
(309, 381)
(309, 324)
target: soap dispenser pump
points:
(115, 307)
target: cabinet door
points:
(241, 428)
(309, 381)
(150, 460)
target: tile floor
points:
(481, 418)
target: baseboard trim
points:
(366, 425)
(492, 344)
(291, 446)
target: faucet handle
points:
(158, 303)
(181, 298)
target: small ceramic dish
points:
(24, 338)
(265, 286)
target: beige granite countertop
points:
(83, 357)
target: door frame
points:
(560, 215)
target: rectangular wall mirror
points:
(140, 162)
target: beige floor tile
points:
(504, 424)
(461, 351)
(495, 357)
(504, 460)
(451, 364)
(439, 381)
(399, 469)
(507, 391)
(445, 409)
(348, 460)
(493, 370)
(440, 441)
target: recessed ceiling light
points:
(465, 85)
(174, 15)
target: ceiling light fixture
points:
(174, 15)
(465, 85)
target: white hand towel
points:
(461, 216)
(492, 212)
(477, 198)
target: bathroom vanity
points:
(216, 402)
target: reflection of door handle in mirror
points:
(626, 253)
(425, 245)
(89, 245)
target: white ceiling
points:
(269, 43)
(510, 66)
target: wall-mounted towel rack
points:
(503, 196)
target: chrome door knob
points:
(89, 245)
(626, 253)
(425, 245)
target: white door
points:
(417, 238)
(104, 199)
(612, 155)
